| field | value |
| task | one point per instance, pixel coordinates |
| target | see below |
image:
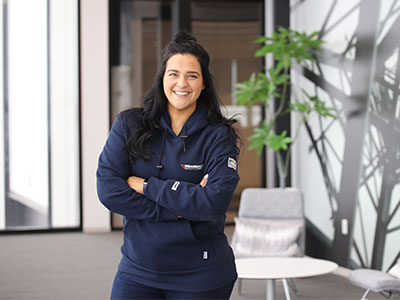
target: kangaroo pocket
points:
(164, 246)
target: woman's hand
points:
(136, 183)
(203, 182)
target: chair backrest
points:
(277, 203)
(260, 208)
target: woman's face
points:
(183, 83)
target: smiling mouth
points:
(181, 93)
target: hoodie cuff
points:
(153, 188)
(151, 191)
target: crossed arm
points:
(137, 183)
(122, 193)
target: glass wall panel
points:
(143, 28)
(41, 116)
(27, 201)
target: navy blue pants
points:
(124, 288)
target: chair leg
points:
(293, 287)
(270, 289)
(364, 297)
(285, 287)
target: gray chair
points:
(270, 222)
(385, 283)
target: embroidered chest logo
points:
(231, 163)
(192, 167)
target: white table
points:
(272, 268)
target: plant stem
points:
(289, 151)
(282, 163)
(281, 171)
(282, 97)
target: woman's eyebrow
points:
(188, 72)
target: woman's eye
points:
(173, 74)
(192, 76)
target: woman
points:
(170, 169)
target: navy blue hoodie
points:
(162, 250)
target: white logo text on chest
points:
(192, 167)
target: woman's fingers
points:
(203, 181)
(136, 183)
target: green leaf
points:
(262, 39)
(258, 89)
(279, 142)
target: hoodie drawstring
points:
(184, 137)
(160, 166)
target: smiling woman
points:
(183, 83)
(169, 167)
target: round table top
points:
(282, 267)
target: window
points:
(40, 115)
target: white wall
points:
(339, 22)
(94, 107)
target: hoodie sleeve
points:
(196, 203)
(113, 190)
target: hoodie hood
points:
(195, 123)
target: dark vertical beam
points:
(49, 198)
(181, 16)
(114, 18)
(282, 19)
(263, 182)
(80, 117)
(163, 29)
(356, 113)
(114, 58)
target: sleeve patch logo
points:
(231, 163)
(175, 185)
(192, 167)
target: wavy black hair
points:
(155, 101)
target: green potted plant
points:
(288, 47)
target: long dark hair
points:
(155, 101)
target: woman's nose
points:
(182, 82)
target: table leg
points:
(286, 288)
(270, 291)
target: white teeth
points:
(181, 93)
